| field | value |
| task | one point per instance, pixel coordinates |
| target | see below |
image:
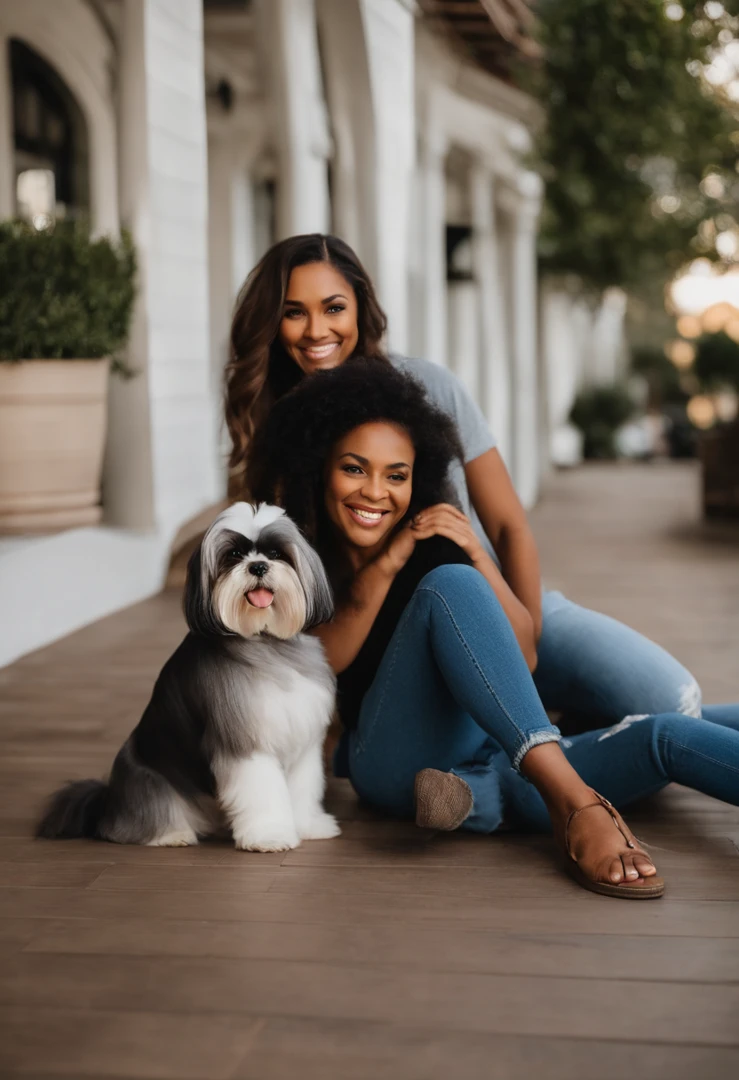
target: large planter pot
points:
(719, 454)
(53, 417)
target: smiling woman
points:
(319, 323)
(366, 496)
(308, 305)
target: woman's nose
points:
(373, 488)
(316, 326)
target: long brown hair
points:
(259, 371)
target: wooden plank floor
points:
(388, 952)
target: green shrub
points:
(63, 295)
(599, 412)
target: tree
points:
(638, 151)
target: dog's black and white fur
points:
(232, 736)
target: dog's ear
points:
(310, 570)
(196, 602)
(319, 601)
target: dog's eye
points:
(235, 553)
(273, 554)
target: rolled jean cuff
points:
(537, 738)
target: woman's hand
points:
(445, 520)
(398, 551)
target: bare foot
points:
(597, 838)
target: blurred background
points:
(544, 193)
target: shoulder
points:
(438, 380)
(448, 394)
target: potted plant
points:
(66, 302)
(599, 412)
(717, 368)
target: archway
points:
(50, 141)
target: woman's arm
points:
(347, 632)
(504, 520)
(446, 520)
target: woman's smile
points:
(317, 353)
(369, 483)
(365, 515)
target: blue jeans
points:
(453, 693)
(598, 671)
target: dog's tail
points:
(73, 811)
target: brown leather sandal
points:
(652, 887)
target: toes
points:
(644, 865)
(630, 871)
(615, 871)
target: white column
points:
(389, 30)
(7, 148)
(350, 102)
(243, 248)
(162, 463)
(523, 205)
(495, 388)
(289, 43)
(433, 231)
(464, 334)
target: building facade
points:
(210, 130)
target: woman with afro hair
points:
(443, 721)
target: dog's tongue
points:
(260, 597)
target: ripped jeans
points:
(633, 759)
(453, 693)
(596, 670)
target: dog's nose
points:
(258, 569)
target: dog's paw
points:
(177, 838)
(276, 838)
(320, 827)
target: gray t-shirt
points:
(446, 391)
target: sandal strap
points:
(604, 804)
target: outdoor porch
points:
(387, 952)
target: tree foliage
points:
(63, 295)
(633, 129)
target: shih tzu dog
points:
(232, 736)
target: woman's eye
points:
(398, 477)
(335, 309)
(352, 469)
(293, 313)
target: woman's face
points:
(319, 323)
(369, 482)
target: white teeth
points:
(368, 515)
(319, 352)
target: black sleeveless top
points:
(354, 682)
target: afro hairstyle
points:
(291, 449)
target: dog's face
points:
(254, 573)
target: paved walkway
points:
(389, 952)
